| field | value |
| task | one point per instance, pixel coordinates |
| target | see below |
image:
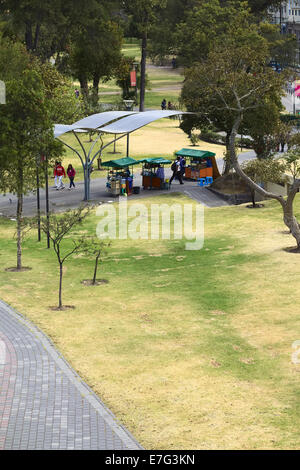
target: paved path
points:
(43, 403)
(64, 199)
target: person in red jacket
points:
(59, 173)
(71, 174)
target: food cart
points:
(153, 173)
(119, 177)
(200, 164)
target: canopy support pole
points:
(107, 145)
(127, 147)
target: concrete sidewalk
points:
(44, 405)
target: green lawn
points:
(190, 349)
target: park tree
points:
(261, 124)
(292, 161)
(237, 76)
(59, 228)
(45, 27)
(95, 53)
(26, 123)
(95, 249)
(283, 134)
(211, 23)
(143, 14)
(162, 36)
(264, 171)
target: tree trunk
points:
(36, 36)
(95, 270)
(292, 223)
(252, 196)
(96, 80)
(288, 214)
(84, 87)
(143, 72)
(60, 285)
(19, 215)
(28, 36)
(19, 230)
(228, 164)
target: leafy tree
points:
(212, 23)
(26, 124)
(95, 53)
(163, 38)
(261, 124)
(292, 160)
(237, 75)
(45, 27)
(283, 134)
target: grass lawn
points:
(190, 349)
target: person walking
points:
(176, 171)
(163, 104)
(182, 166)
(55, 175)
(71, 174)
(59, 173)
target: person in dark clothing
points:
(176, 171)
(163, 104)
(182, 166)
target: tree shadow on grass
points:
(15, 270)
(98, 282)
(292, 249)
(64, 307)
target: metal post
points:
(47, 202)
(115, 144)
(127, 149)
(38, 200)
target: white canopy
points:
(90, 123)
(131, 123)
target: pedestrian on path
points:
(163, 104)
(59, 174)
(176, 171)
(71, 174)
(182, 166)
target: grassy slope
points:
(189, 349)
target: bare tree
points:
(94, 248)
(60, 227)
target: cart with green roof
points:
(119, 178)
(201, 164)
(153, 173)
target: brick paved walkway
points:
(43, 402)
